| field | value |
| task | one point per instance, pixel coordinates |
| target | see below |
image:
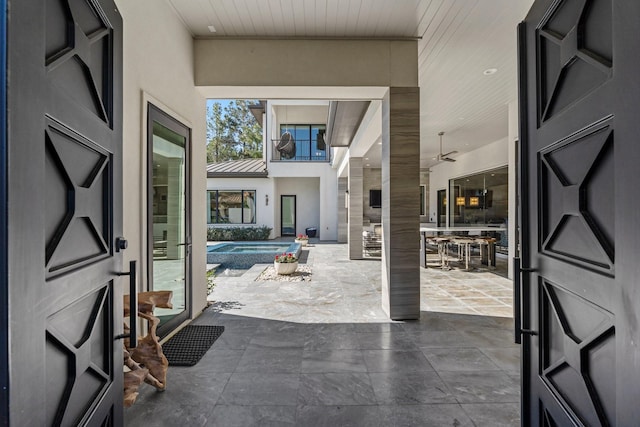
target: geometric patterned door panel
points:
(577, 345)
(580, 198)
(65, 105)
(78, 362)
(78, 189)
(79, 54)
(575, 53)
(577, 202)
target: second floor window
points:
(310, 142)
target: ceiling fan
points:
(445, 156)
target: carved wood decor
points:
(146, 362)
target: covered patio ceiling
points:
(460, 44)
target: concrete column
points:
(343, 227)
(401, 203)
(355, 208)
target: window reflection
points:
(309, 140)
(231, 207)
(480, 199)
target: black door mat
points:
(188, 346)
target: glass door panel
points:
(480, 199)
(288, 215)
(169, 231)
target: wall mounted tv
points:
(375, 198)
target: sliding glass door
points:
(480, 199)
(169, 230)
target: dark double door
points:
(580, 136)
(64, 211)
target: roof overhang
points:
(258, 110)
(344, 120)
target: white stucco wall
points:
(307, 192)
(158, 67)
(304, 112)
(264, 187)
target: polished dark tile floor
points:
(299, 368)
(411, 374)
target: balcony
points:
(305, 151)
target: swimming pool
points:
(246, 254)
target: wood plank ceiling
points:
(458, 41)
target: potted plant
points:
(303, 239)
(285, 263)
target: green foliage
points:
(215, 234)
(210, 283)
(232, 132)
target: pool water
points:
(242, 255)
(234, 248)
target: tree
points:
(232, 132)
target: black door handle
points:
(133, 305)
(517, 301)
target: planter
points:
(303, 242)
(285, 267)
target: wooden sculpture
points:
(146, 362)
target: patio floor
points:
(323, 353)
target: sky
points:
(222, 102)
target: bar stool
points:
(486, 242)
(442, 243)
(464, 248)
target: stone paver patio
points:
(323, 352)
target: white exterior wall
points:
(324, 190)
(307, 192)
(264, 187)
(158, 67)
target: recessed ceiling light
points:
(212, 29)
(466, 143)
(368, 164)
(379, 143)
(433, 158)
(490, 71)
(366, 158)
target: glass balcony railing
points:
(304, 150)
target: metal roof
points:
(244, 168)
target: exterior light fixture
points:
(266, 200)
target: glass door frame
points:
(295, 214)
(155, 114)
(441, 209)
